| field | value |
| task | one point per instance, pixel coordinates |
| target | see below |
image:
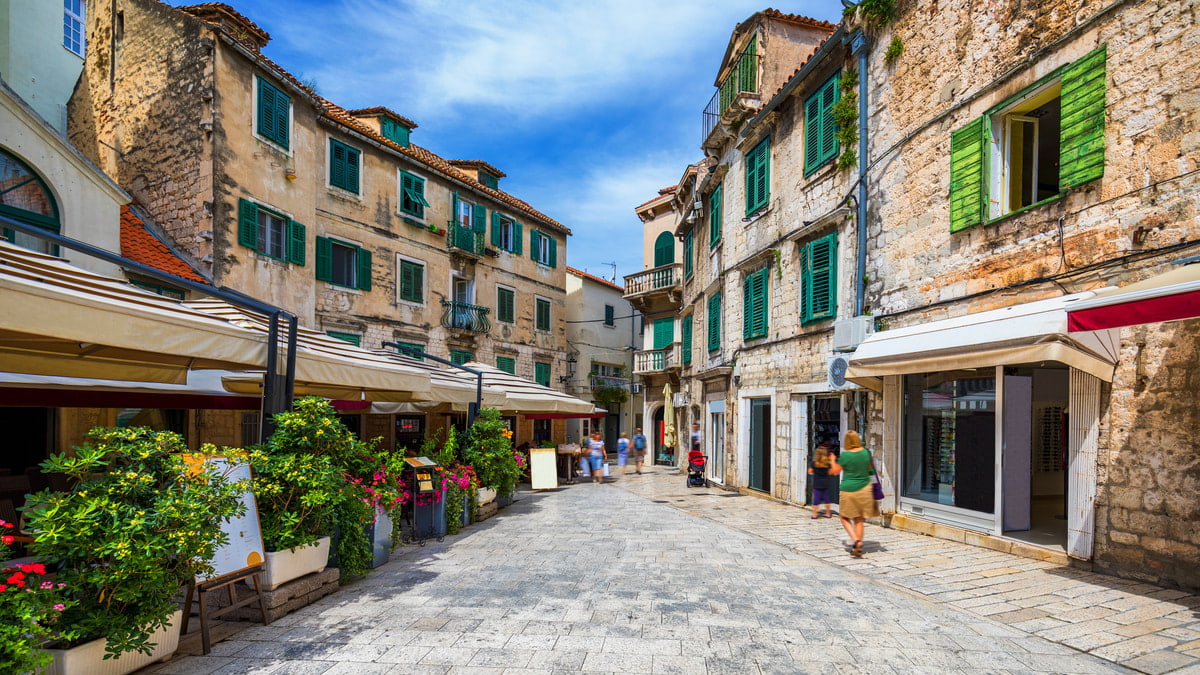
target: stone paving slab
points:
(1141, 626)
(598, 579)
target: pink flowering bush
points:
(30, 608)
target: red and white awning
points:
(1171, 296)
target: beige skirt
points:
(859, 504)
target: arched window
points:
(664, 249)
(24, 197)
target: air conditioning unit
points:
(848, 334)
(835, 373)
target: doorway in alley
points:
(825, 428)
(760, 444)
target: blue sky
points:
(589, 107)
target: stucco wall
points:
(33, 60)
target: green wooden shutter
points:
(295, 248)
(343, 166)
(533, 243)
(266, 110)
(714, 322)
(516, 238)
(664, 249)
(609, 315)
(248, 224)
(758, 176)
(478, 218)
(324, 259)
(412, 281)
(830, 96)
(686, 339)
(353, 158)
(553, 252)
(714, 217)
(506, 309)
(541, 373)
(363, 258)
(1081, 148)
(507, 363)
(664, 332)
(754, 308)
(688, 252)
(819, 280)
(454, 209)
(497, 224)
(968, 155)
(820, 129)
(542, 317)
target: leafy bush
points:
(489, 452)
(143, 519)
(30, 608)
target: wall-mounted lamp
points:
(289, 174)
(570, 369)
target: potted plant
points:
(31, 605)
(142, 519)
(490, 453)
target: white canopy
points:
(1026, 333)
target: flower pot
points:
(380, 534)
(466, 511)
(283, 566)
(502, 502)
(88, 658)
(485, 495)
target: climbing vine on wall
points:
(876, 15)
(845, 116)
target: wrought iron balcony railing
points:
(463, 316)
(606, 381)
(654, 360)
(661, 278)
(464, 239)
(743, 78)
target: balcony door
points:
(664, 249)
(464, 296)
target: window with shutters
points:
(542, 315)
(507, 363)
(685, 340)
(506, 304)
(664, 249)
(541, 373)
(273, 114)
(459, 357)
(1033, 147)
(543, 248)
(411, 276)
(353, 339)
(464, 214)
(689, 252)
(270, 233)
(394, 131)
(412, 345)
(610, 316)
(412, 195)
(714, 216)
(344, 164)
(714, 322)
(754, 305)
(820, 129)
(506, 233)
(664, 332)
(343, 264)
(758, 176)
(818, 280)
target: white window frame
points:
(543, 252)
(424, 280)
(76, 23)
(467, 209)
(264, 233)
(508, 229)
(336, 241)
(1000, 151)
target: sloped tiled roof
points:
(798, 19)
(214, 12)
(661, 193)
(595, 278)
(140, 246)
(387, 112)
(347, 119)
(478, 164)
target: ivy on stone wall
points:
(845, 116)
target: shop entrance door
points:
(825, 420)
(760, 444)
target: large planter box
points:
(380, 534)
(283, 566)
(485, 495)
(88, 658)
(466, 510)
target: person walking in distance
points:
(857, 502)
(696, 436)
(639, 449)
(596, 457)
(819, 468)
(623, 452)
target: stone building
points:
(1039, 154)
(602, 335)
(329, 213)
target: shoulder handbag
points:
(876, 485)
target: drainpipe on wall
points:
(858, 45)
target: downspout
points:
(858, 45)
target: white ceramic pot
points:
(283, 566)
(485, 495)
(88, 658)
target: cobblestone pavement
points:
(1144, 627)
(600, 578)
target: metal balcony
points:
(655, 360)
(741, 79)
(662, 279)
(462, 239)
(606, 381)
(462, 316)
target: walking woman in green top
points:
(857, 502)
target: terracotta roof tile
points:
(798, 19)
(140, 246)
(478, 164)
(383, 110)
(212, 12)
(595, 278)
(661, 193)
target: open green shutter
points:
(324, 259)
(516, 238)
(478, 218)
(686, 347)
(363, 258)
(352, 161)
(454, 209)
(968, 155)
(1081, 148)
(283, 106)
(714, 322)
(533, 243)
(829, 96)
(496, 225)
(295, 249)
(819, 280)
(714, 217)
(248, 223)
(553, 252)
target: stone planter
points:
(485, 495)
(283, 566)
(88, 658)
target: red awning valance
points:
(1172, 296)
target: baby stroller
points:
(695, 471)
